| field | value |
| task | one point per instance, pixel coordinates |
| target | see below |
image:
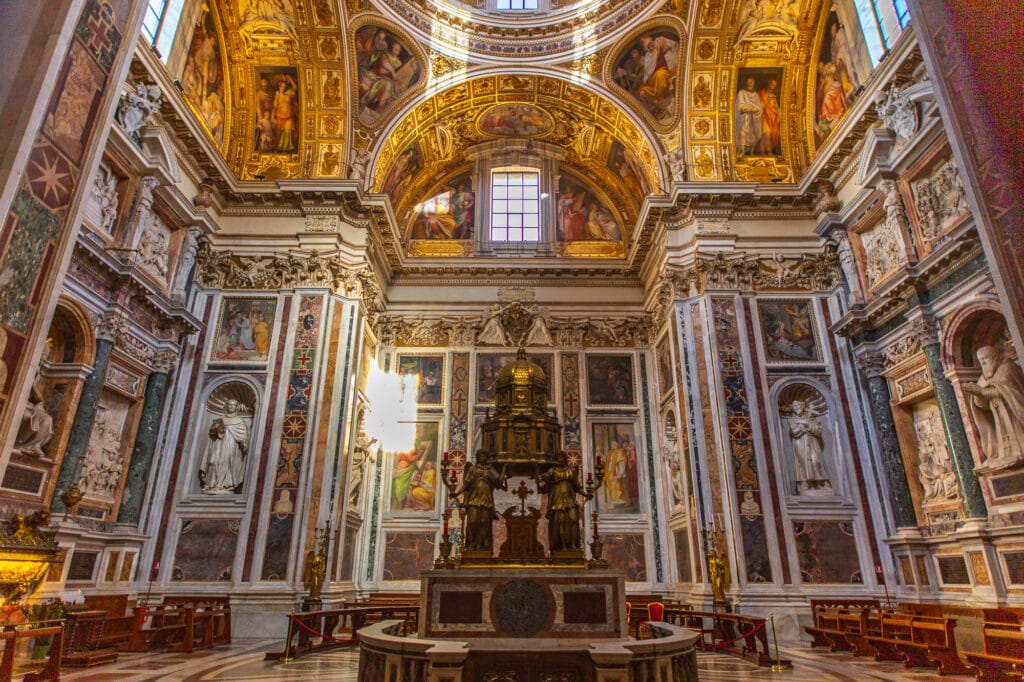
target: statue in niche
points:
(222, 469)
(997, 403)
(36, 427)
(808, 446)
(935, 468)
(477, 498)
(104, 193)
(361, 459)
(672, 468)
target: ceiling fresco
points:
(636, 94)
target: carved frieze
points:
(807, 272)
(515, 324)
(939, 200)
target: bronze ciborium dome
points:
(522, 434)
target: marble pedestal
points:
(522, 602)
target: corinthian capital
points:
(109, 325)
(164, 361)
(871, 362)
(925, 329)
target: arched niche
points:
(225, 437)
(807, 429)
(993, 423)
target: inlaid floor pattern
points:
(243, 660)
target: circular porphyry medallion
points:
(522, 608)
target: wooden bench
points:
(846, 629)
(207, 621)
(45, 668)
(338, 627)
(157, 628)
(831, 608)
(83, 645)
(920, 642)
(1003, 658)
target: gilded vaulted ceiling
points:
(311, 88)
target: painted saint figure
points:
(997, 403)
(749, 110)
(222, 468)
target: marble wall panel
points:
(205, 551)
(625, 553)
(406, 555)
(827, 552)
(740, 434)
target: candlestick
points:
(590, 477)
(445, 531)
(595, 529)
(446, 454)
(599, 460)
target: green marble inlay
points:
(35, 226)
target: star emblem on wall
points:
(50, 176)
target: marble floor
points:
(244, 660)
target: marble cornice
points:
(128, 279)
(909, 284)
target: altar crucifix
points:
(521, 541)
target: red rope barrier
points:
(322, 635)
(746, 635)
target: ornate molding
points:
(164, 361)
(925, 330)
(109, 325)
(901, 350)
(871, 362)
(515, 324)
(807, 272)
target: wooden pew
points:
(166, 628)
(830, 606)
(1003, 658)
(83, 646)
(47, 668)
(207, 621)
(919, 641)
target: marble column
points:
(927, 332)
(145, 437)
(108, 326)
(873, 365)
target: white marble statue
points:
(102, 465)
(935, 468)
(104, 194)
(670, 455)
(997, 403)
(805, 434)
(222, 468)
(137, 107)
(362, 458)
(36, 427)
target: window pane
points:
(514, 204)
(531, 234)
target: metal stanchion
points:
(777, 663)
(288, 642)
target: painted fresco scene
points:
(626, 167)
(203, 77)
(448, 214)
(516, 119)
(757, 113)
(387, 69)
(277, 110)
(610, 380)
(788, 330)
(647, 70)
(615, 444)
(488, 365)
(583, 215)
(414, 472)
(430, 370)
(244, 328)
(843, 66)
(408, 163)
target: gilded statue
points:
(476, 496)
(718, 573)
(314, 571)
